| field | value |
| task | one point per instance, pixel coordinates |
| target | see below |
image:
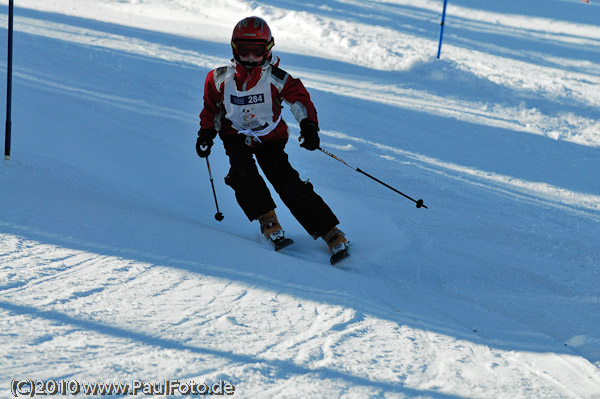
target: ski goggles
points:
(259, 49)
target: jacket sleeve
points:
(210, 117)
(295, 94)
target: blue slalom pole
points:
(9, 82)
(442, 28)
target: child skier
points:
(242, 102)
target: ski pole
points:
(418, 202)
(219, 216)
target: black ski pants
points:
(252, 193)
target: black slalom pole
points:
(219, 216)
(7, 137)
(418, 202)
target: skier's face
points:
(250, 58)
(251, 53)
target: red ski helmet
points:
(251, 41)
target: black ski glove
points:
(309, 136)
(205, 142)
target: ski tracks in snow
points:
(106, 308)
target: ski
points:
(338, 256)
(281, 243)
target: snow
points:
(113, 269)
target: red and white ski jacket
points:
(249, 101)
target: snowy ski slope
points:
(113, 269)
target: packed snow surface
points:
(113, 268)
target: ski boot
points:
(271, 229)
(337, 243)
